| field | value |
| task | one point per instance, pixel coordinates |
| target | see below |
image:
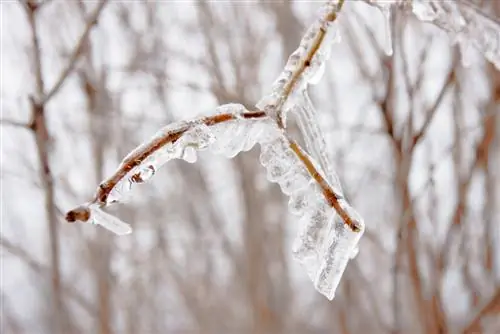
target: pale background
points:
(211, 248)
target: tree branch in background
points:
(39, 128)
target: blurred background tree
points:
(415, 137)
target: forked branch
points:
(331, 227)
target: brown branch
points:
(77, 52)
(39, 129)
(492, 308)
(450, 79)
(82, 213)
(39, 268)
(328, 193)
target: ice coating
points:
(467, 25)
(238, 135)
(197, 136)
(325, 243)
(306, 64)
(315, 142)
(231, 130)
(327, 238)
(340, 245)
(229, 137)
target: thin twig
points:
(82, 213)
(41, 269)
(77, 52)
(135, 159)
(450, 79)
(17, 124)
(492, 308)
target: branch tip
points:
(81, 214)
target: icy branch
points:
(305, 65)
(331, 228)
(465, 23)
(226, 132)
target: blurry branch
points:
(276, 112)
(431, 112)
(77, 51)
(9, 322)
(492, 309)
(39, 128)
(39, 268)
(15, 124)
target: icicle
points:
(109, 222)
(466, 24)
(341, 244)
(229, 135)
(323, 247)
(313, 136)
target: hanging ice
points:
(466, 24)
(341, 245)
(325, 243)
(315, 142)
(330, 229)
(93, 214)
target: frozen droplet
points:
(189, 154)
(109, 222)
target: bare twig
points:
(492, 308)
(39, 268)
(450, 79)
(77, 52)
(16, 124)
